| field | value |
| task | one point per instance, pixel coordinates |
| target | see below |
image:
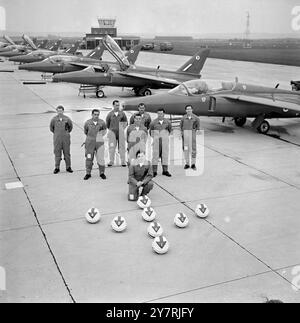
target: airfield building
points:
(108, 27)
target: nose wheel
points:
(264, 127)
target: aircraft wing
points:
(151, 78)
(278, 99)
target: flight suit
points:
(189, 127)
(136, 139)
(138, 173)
(116, 134)
(160, 134)
(146, 119)
(94, 144)
(61, 127)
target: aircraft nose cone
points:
(18, 59)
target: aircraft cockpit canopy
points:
(37, 53)
(109, 42)
(200, 87)
(60, 59)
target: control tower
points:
(107, 26)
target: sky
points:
(155, 17)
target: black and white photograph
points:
(150, 154)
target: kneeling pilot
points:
(140, 177)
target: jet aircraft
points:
(13, 49)
(225, 99)
(141, 79)
(65, 64)
(42, 54)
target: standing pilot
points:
(146, 119)
(160, 130)
(61, 126)
(116, 122)
(189, 126)
(95, 130)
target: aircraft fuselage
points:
(204, 105)
(119, 80)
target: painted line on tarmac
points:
(209, 286)
(39, 225)
(227, 236)
(252, 167)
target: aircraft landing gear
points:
(142, 91)
(261, 125)
(264, 127)
(146, 92)
(136, 91)
(240, 122)
(100, 94)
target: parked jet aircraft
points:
(17, 50)
(141, 79)
(65, 64)
(41, 54)
(12, 46)
(228, 99)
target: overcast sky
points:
(150, 16)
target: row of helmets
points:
(155, 230)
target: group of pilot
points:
(118, 132)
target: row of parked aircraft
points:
(236, 100)
(29, 51)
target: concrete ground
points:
(247, 250)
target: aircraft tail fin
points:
(29, 41)
(8, 39)
(97, 52)
(56, 46)
(133, 54)
(73, 49)
(196, 63)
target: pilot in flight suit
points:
(61, 126)
(189, 126)
(140, 177)
(95, 130)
